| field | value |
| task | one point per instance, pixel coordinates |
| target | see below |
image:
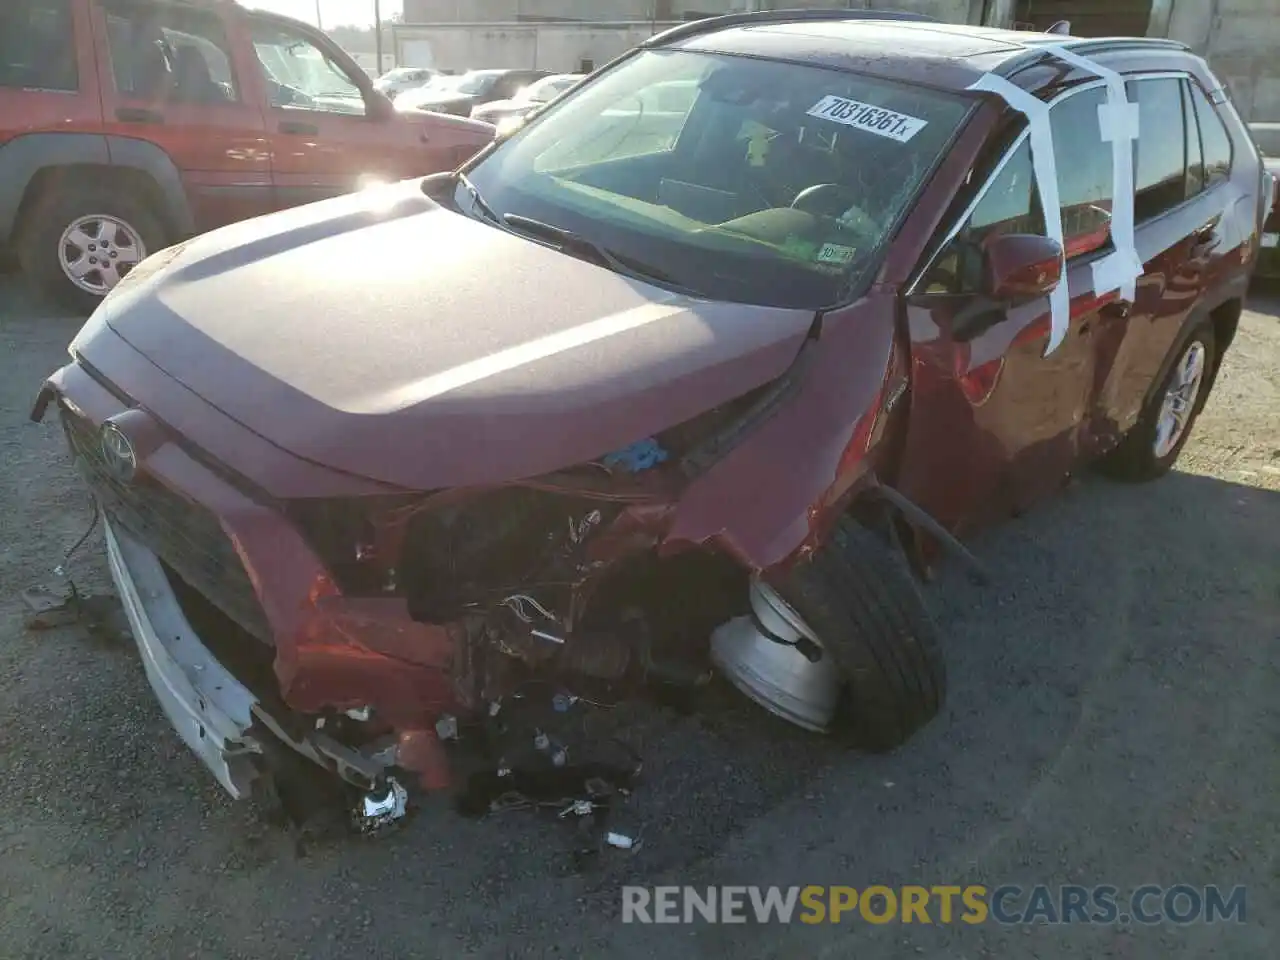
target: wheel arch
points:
(32, 165)
(1221, 313)
(1225, 319)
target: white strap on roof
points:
(1037, 113)
(1118, 124)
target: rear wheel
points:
(80, 242)
(1152, 446)
(865, 610)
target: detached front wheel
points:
(842, 643)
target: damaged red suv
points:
(644, 394)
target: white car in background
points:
(506, 114)
(397, 81)
(1267, 136)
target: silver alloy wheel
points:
(1180, 399)
(759, 655)
(96, 252)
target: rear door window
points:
(1160, 173)
(37, 45)
(168, 53)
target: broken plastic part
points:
(580, 808)
(562, 702)
(640, 456)
(379, 809)
(621, 841)
(447, 727)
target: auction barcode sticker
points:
(867, 116)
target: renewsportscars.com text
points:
(1008, 904)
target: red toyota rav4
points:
(127, 125)
(636, 397)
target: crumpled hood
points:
(386, 336)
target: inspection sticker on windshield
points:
(867, 116)
(836, 253)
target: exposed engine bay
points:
(559, 604)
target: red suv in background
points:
(127, 125)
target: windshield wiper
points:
(571, 242)
(478, 201)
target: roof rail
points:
(1033, 54)
(711, 24)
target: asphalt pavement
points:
(1112, 719)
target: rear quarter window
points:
(37, 45)
(1214, 139)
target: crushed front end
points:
(358, 630)
(247, 642)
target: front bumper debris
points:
(209, 708)
(219, 718)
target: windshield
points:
(740, 179)
(477, 83)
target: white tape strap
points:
(1118, 125)
(1037, 113)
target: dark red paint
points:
(884, 393)
(1020, 267)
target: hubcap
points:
(1180, 399)
(98, 251)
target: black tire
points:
(57, 209)
(859, 599)
(1135, 460)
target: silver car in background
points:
(505, 114)
(397, 81)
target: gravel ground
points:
(1112, 719)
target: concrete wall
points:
(558, 48)
(480, 11)
(461, 34)
(1241, 40)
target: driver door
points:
(325, 138)
(996, 425)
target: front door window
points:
(301, 76)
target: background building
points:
(1240, 38)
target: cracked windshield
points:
(737, 179)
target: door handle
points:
(139, 115)
(297, 127)
(1206, 243)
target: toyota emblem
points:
(118, 453)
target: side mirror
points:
(379, 105)
(1018, 268)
